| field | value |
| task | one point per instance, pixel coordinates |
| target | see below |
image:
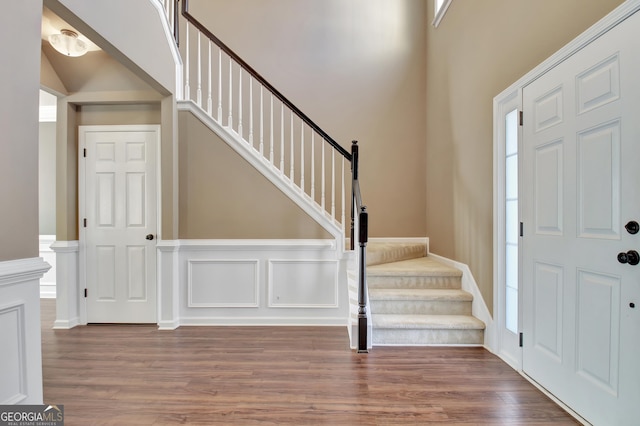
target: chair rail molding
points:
(21, 368)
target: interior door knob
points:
(149, 237)
(632, 227)
(631, 257)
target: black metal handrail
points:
(363, 238)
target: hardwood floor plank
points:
(138, 375)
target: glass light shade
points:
(68, 43)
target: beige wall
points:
(19, 85)
(47, 178)
(70, 116)
(224, 197)
(479, 49)
(357, 69)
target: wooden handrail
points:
(226, 49)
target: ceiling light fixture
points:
(68, 43)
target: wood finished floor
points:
(137, 375)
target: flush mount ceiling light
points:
(68, 43)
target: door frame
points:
(506, 346)
(622, 12)
(82, 252)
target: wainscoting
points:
(21, 366)
(257, 282)
(48, 281)
(229, 282)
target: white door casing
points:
(506, 241)
(580, 156)
(118, 197)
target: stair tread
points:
(427, 321)
(426, 266)
(419, 294)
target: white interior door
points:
(118, 169)
(581, 157)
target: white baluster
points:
(313, 166)
(261, 121)
(240, 102)
(292, 160)
(199, 90)
(251, 111)
(271, 129)
(187, 89)
(209, 100)
(282, 138)
(220, 86)
(343, 196)
(333, 183)
(302, 155)
(322, 189)
(230, 119)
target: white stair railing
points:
(291, 148)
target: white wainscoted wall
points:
(48, 281)
(20, 356)
(257, 282)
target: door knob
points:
(632, 227)
(631, 257)
(149, 237)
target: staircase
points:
(415, 300)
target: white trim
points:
(264, 321)
(249, 244)
(270, 286)
(20, 301)
(67, 289)
(18, 346)
(22, 270)
(175, 52)
(478, 306)
(253, 157)
(191, 303)
(48, 281)
(176, 309)
(439, 13)
(501, 106)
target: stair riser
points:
(375, 257)
(424, 307)
(425, 337)
(414, 282)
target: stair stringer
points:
(479, 308)
(269, 171)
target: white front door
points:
(118, 215)
(581, 177)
